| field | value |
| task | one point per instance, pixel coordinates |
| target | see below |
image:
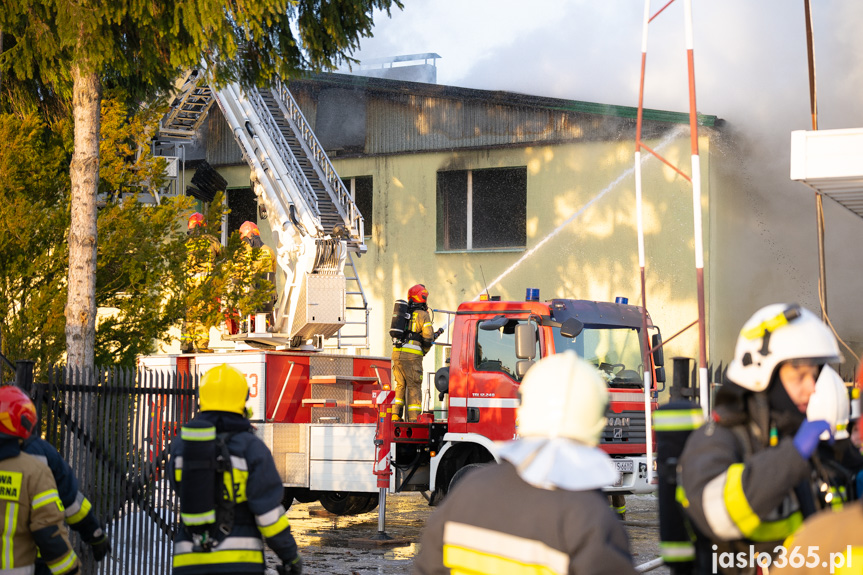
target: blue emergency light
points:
(623, 300)
(532, 294)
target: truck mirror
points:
(494, 323)
(571, 328)
(660, 375)
(441, 380)
(525, 341)
(522, 366)
(658, 355)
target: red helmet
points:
(195, 220)
(249, 229)
(418, 294)
(17, 413)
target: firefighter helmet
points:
(776, 333)
(249, 229)
(830, 403)
(418, 294)
(17, 413)
(196, 220)
(224, 388)
(563, 396)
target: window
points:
(481, 209)
(495, 349)
(615, 351)
(244, 208)
(361, 192)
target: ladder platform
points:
(334, 379)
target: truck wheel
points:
(460, 474)
(373, 502)
(344, 502)
(301, 494)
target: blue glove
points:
(807, 437)
(858, 483)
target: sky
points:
(750, 55)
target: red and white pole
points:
(383, 443)
(696, 212)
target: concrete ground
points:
(341, 545)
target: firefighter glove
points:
(295, 567)
(100, 544)
(808, 436)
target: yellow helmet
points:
(224, 388)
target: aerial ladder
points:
(314, 220)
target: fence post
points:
(24, 375)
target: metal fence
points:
(114, 428)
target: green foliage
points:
(144, 46)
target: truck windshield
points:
(615, 351)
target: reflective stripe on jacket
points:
(420, 323)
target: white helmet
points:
(830, 403)
(563, 396)
(777, 333)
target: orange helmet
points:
(196, 220)
(17, 413)
(249, 229)
(418, 294)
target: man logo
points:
(618, 433)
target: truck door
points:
(492, 392)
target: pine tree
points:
(77, 46)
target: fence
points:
(114, 427)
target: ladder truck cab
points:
(494, 343)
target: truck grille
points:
(624, 427)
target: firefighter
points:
(541, 510)
(264, 264)
(745, 475)
(29, 503)
(77, 508)
(408, 355)
(202, 250)
(230, 491)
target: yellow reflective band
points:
(64, 565)
(414, 407)
(677, 419)
(462, 561)
(198, 433)
(409, 350)
(274, 528)
(10, 485)
(680, 497)
(427, 323)
(770, 325)
(218, 557)
(746, 519)
(199, 518)
(81, 513)
(178, 474)
(676, 551)
(46, 497)
(10, 526)
(621, 510)
(398, 401)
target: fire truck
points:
(320, 410)
(494, 343)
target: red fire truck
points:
(493, 345)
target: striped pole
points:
(696, 213)
(639, 210)
(383, 442)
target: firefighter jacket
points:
(494, 522)
(830, 542)
(78, 509)
(420, 336)
(32, 515)
(744, 483)
(258, 511)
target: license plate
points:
(624, 466)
